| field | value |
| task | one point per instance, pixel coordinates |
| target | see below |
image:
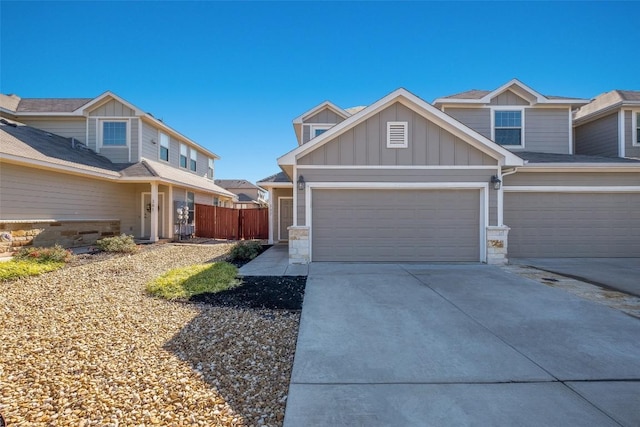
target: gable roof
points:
(28, 145)
(323, 105)
(607, 102)
(504, 156)
(476, 96)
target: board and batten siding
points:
(68, 128)
(599, 137)
(113, 108)
(324, 116)
(478, 119)
(547, 130)
(30, 194)
(575, 179)
(397, 175)
(630, 150)
(366, 144)
(508, 98)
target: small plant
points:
(55, 254)
(122, 243)
(184, 282)
(245, 251)
(17, 268)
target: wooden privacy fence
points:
(231, 224)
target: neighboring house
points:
(250, 196)
(608, 126)
(73, 170)
(406, 181)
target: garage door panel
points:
(395, 225)
(573, 224)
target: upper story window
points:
(114, 134)
(637, 129)
(317, 130)
(210, 169)
(183, 156)
(193, 160)
(164, 147)
(507, 127)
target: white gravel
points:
(85, 346)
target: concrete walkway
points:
(622, 274)
(273, 262)
(456, 345)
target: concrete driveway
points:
(421, 345)
(622, 274)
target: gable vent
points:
(397, 135)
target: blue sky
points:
(233, 75)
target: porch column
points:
(169, 203)
(270, 216)
(154, 212)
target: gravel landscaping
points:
(85, 346)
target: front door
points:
(285, 220)
(146, 215)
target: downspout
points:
(501, 195)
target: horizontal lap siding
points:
(572, 179)
(395, 225)
(599, 137)
(74, 128)
(27, 193)
(150, 150)
(573, 224)
(547, 130)
(478, 119)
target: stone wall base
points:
(299, 252)
(69, 234)
(497, 242)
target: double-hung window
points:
(164, 147)
(507, 127)
(183, 156)
(637, 129)
(114, 134)
(210, 169)
(193, 159)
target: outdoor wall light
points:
(495, 181)
(301, 183)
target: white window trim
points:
(101, 132)
(160, 147)
(634, 128)
(481, 186)
(405, 141)
(318, 126)
(522, 124)
(193, 157)
(211, 167)
(186, 166)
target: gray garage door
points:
(395, 225)
(573, 224)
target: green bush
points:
(182, 283)
(18, 268)
(54, 254)
(122, 243)
(245, 251)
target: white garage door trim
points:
(483, 187)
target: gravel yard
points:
(84, 346)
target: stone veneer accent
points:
(14, 234)
(298, 245)
(497, 240)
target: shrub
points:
(18, 268)
(54, 254)
(245, 251)
(122, 243)
(182, 283)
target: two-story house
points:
(476, 176)
(74, 170)
(250, 196)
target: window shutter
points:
(397, 135)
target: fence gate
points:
(231, 224)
